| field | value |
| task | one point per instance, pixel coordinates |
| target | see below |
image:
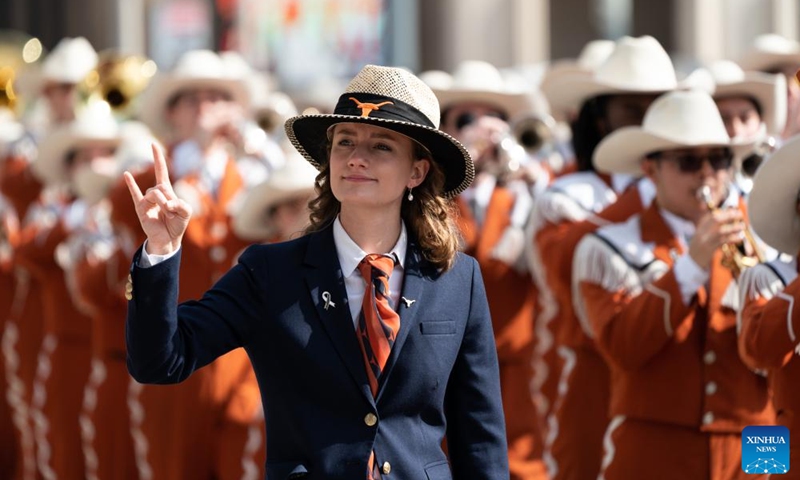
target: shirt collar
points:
(350, 254)
(681, 228)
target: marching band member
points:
(95, 266)
(355, 383)
(200, 110)
(616, 95)
(773, 53)
(64, 356)
(659, 299)
(767, 321)
(753, 108)
(10, 454)
(476, 110)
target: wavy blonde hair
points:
(430, 217)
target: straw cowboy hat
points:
(296, 179)
(636, 66)
(679, 119)
(194, 69)
(769, 51)
(94, 126)
(482, 82)
(771, 204)
(391, 98)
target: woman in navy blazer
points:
(386, 176)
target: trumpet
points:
(118, 80)
(533, 132)
(735, 257)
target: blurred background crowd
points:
(530, 87)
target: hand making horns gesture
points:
(164, 216)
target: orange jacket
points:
(670, 362)
(768, 329)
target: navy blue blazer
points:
(322, 420)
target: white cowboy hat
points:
(436, 79)
(769, 51)
(95, 125)
(92, 183)
(70, 62)
(679, 119)
(767, 89)
(592, 55)
(295, 179)
(395, 99)
(482, 82)
(194, 69)
(771, 204)
(636, 66)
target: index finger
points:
(162, 173)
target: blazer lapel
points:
(410, 303)
(325, 275)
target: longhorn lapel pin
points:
(407, 301)
(326, 296)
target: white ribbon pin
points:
(326, 296)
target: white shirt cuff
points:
(690, 277)
(147, 260)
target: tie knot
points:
(375, 264)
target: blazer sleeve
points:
(476, 435)
(768, 323)
(167, 342)
(630, 322)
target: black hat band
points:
(367, 105)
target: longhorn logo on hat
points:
(367, 108)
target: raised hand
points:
(163, 216)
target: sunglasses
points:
(467, 118)
(693, 163)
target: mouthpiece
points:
(705, 195)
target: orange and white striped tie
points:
(378, 325)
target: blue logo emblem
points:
(765, 449)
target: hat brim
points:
(49, 166)
(251, 223)
(308, 135)
(771, 203)
(623, 150)
(762, 61)
(512, 104)
(572, 90)
(162, 89)
(770, 95)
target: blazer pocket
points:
(439, 471)
(286, 470)
(438, 328)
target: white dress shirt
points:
(350, 255)
(688, 273)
